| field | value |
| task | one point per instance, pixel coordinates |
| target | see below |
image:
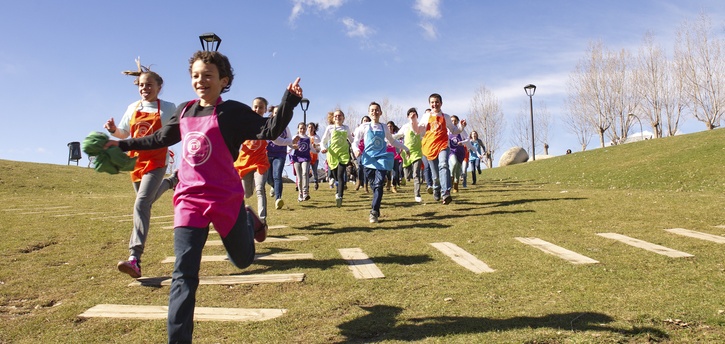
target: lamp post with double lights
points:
(530, 90)
(210, 41)
(304, 105)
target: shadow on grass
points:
(514, 201)
(381, 324)
(385, 224)
(320, 264)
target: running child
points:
(336, 144)
(374, 156)
(209, 191)
(300, 157)
(143, 118)
(433, 128)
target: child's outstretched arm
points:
(277, 124)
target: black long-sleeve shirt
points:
(237, 122)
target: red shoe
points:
(260, 227)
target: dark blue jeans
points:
(188, 246)
(377, 182)
(275, 174)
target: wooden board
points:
(269, 239)
(200, 313)
(697, 235)
(234, 279)
(462, 257)
(547, 247)
(646, 245)
(274, 256)
(360, 264)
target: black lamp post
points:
(210, 41)
(530, 90)
(305, 104)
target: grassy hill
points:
(65, 227)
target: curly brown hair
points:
(219, 60)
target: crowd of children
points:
(231, 151)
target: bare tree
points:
(602, 90)
(677, 100)
(488, 120)
(521, 126)
(587, 90)
(392, 112)
(352, 118)
(700, 55)
(578, 124)
(652, 77)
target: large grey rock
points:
(514, 155)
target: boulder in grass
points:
(514, 155)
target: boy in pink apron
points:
(209, 191)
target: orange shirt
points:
(252, 156)
(436, 137)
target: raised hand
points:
(295, 88)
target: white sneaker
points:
(373, 218)
(338, 201)
(418, 199)
(271, 192)
(278, 204)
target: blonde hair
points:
(141, 70)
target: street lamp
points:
(641, 133)
(305, 104)
(208, 41)
(530, 90)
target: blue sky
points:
(61, 62)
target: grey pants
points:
(148, 190)
(254, 181)
(303, 179)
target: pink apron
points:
(209, 189)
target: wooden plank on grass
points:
(462, 257)
(226, 280)
(360, 264)
(200, 313)
(646, 245)
(558, 251)
(269, 239)
(274, 256)
(697, 235)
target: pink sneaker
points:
(260, 227)
(130, 267)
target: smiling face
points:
(338, 117)
(435, 104)
(148, 87)
(301, 129)
(259, 106)
(374, 112)
(206, 82)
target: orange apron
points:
(144, 124)
(436, 137)
(252, 156)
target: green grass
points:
(56, 267)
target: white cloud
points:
(428, 8)
(356, 29)
(324, 5)
(429, 30)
